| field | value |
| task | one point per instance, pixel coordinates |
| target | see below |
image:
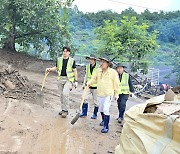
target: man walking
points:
(107, 87)
(125, 89)
(67, 77)
(90, 70)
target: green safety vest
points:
(124, 84)
(89, 75)
(69, 71)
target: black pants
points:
(122, 104)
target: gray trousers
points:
(64, 87)
(93, 93)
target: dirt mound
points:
(24, 61)
(13, 85)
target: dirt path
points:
(28, 128)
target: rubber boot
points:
(84, 110)
(94, 116)
(106, 124)
(120, 120)
(102, 122)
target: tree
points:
(130, 12)
(130, 40)
(147, 15)
(169, 30)
(99, 17)
(32, 23)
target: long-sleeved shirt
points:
(107, 82)
(131, 88)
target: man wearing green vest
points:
(90, 70)
(67, 77)
(125, 89)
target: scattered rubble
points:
(13, 85)
(144, 87)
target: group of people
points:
(104, 82)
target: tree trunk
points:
(10, 44)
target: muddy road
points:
(27, 127)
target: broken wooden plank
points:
(20, 80)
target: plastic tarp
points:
(150, 133)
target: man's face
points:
(120, 70)
(66, 53)
(92, 61)
(104, 64)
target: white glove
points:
(75, 84)
(48, 69)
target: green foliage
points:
(108, 35)
(166, 23)
(98, 18)
(169, 30)
(156, 16)
(130, 12)
(81, 23)
(130, 40)
(35, 22)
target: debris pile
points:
(13, 85)
(145, 87)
